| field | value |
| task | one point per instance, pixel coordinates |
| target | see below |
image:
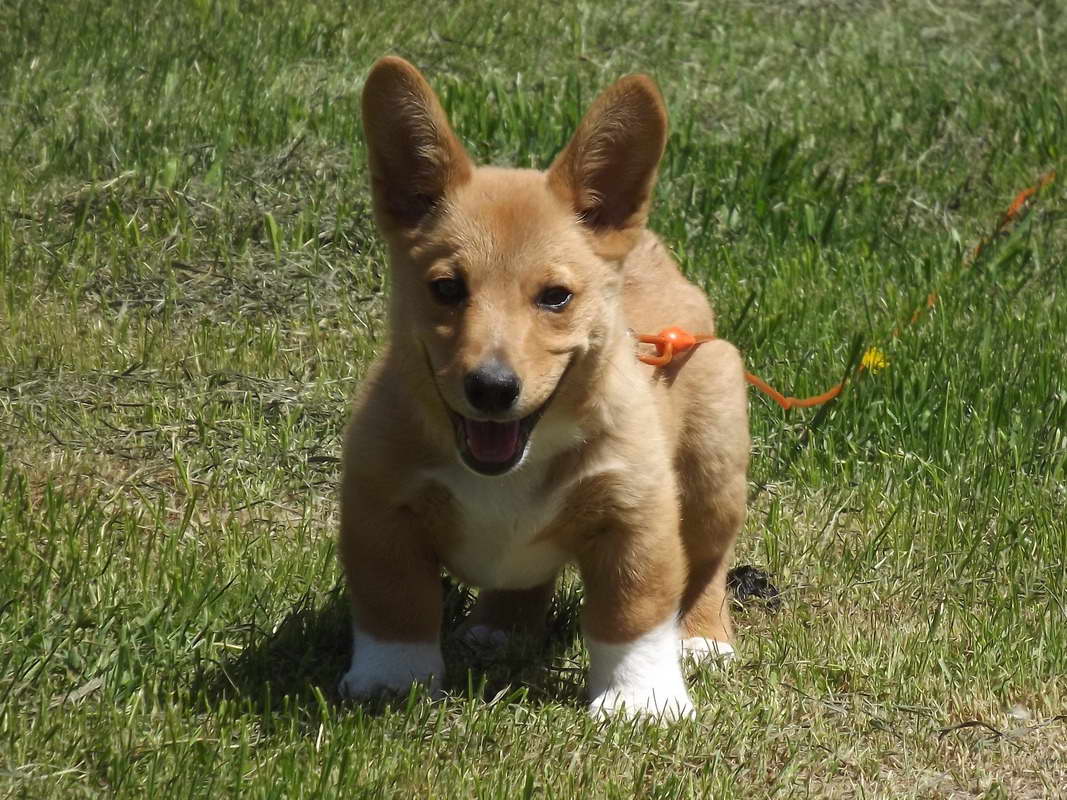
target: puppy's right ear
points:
(607, 171)
(415, 158)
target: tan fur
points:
(646, 467)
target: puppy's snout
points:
(493, 387)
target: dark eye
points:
(448, 291)
(554, 298)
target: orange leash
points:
(795, 402)
(1018, 205)
(670, 341)
(673, 340)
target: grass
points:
(191, 289)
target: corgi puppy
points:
(508, 428)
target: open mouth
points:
(493, 448)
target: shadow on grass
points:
(294, 668)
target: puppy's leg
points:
(633, 574)
(395, 587)
(712, 523)
(712, 466)
(498, 615)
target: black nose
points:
(493, 387)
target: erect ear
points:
(415, 158)
(608, 169)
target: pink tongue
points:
(492, 442)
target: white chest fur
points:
(500, 521)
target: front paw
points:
(631, 702)
(381, 666)
(639, 678)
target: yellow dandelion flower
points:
(874, 360)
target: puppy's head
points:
(506, 282)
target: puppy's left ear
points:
(607, 171)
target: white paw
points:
(379, 666)
(484, 637)
(663, 706)
(703, 650)
(639, 678)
